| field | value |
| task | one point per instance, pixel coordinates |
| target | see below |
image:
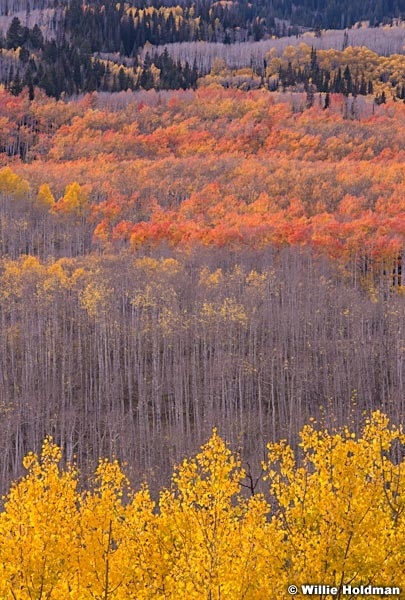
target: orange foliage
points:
(219, 167)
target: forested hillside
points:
(176, 261)
(242, 14)
(202, 236)
(74, 47)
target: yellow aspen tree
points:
(337, 518)
(38, 530)
(12, 184)
(75, 201)
(209, 536)
(343, 509)
(45, 198)
(103, 561)
(139, 533)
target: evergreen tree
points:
(28, 82)
(363, 87)
(16, 34)
(146, 79)
(36, 38)
(347, 81)
(122, 80)
(127, 33)
(16, 85)
(24, 54)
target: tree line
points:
(202, 537)
(162, 274)
(69, 61)
(139, 356)
(60, 67)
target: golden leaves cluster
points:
(335, 515)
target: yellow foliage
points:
(147, 264)
(343, 508)
(13, 185)
(211, 279)
(219, 67)
(234, 312)
(337, 517)
(75, 201)
(96, 298)
(170, 266)
(209, 534)
(45, 198)
(38, 530)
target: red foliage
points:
(219, 167)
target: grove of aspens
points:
(202, 300)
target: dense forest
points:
(326, 14)
(204, 539)
(202, 300)
(82, 47)
(176, 261)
